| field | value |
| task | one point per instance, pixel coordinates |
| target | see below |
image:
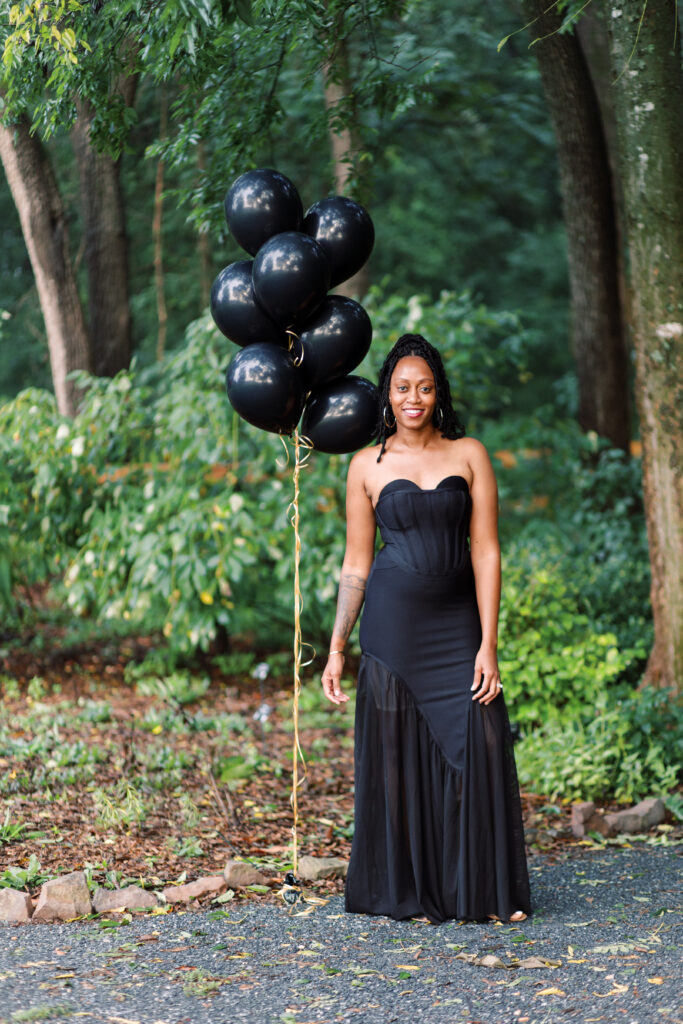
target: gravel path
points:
(611, 917)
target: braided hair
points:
(415, 345)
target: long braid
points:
(415, 345)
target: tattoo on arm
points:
(349, 602)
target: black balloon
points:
(236, 311)
(291, 276)
(334, 340)
(260, 204)
(341, 416)
(265, 387)
(344, 230)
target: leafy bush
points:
(163, 510)
(552, 660)
(623, 748)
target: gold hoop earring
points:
(384, 417)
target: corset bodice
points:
(426, 530)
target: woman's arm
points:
(360, 547)
(485, 551)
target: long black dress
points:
(438, 822)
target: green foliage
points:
(164, 511)
(552, 660)
(455, 163)
(51, 1011)
(120, 808)
(9, 832)
(624, 747)
(177, 687)
(23, 878)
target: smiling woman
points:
(438, 824)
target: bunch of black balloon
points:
(298, 344)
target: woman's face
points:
(412, 392)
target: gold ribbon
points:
(300, 442)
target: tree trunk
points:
(589, 212)
(43, 223)
(649, 104)
(106, 249)
(344, 143)
(591, 30)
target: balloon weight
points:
(341, 416)
(334, 340)
(265, 387)
(260, 204)
(236, 311)
(344, 230)
(291, 276)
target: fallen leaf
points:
(537, 961)
(656, 981)
(551, 992)
(616, 990)
(615, 947)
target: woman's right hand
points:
(331, 678)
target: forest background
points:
(528, 207)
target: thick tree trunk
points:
(43, 223)
(106, 249)
(344, 143)
(597, 330)
(591, 30)
(649, 104)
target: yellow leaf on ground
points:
(656, 981)
(551, 992)
(408, 967)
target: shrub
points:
(553, 661)
(625, 748)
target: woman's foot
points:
(518, 915)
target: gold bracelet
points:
(336, 652)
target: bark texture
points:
(105, 249)
(597, 329)
(43, 223)
(649, 105)
(344, 143)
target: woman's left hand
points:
(486, 676)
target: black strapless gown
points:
(438, 820)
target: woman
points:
(438, 823)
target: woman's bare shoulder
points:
(365, 458)
(362, 464)
(472, 448)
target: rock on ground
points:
(312, 869)
(640, 818)
(63, 899)
(15, 906)
(193, 890)
(130, 898)
(237, 875)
